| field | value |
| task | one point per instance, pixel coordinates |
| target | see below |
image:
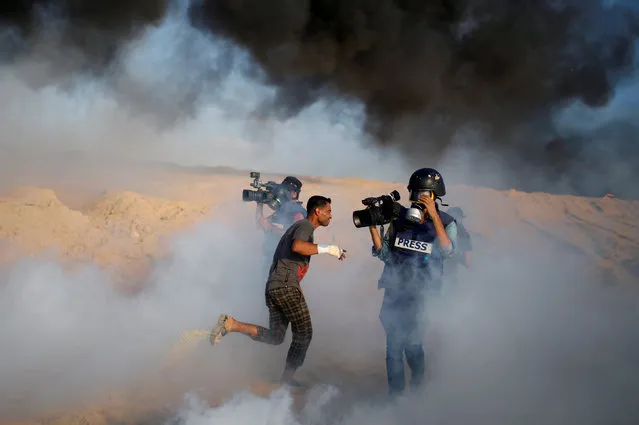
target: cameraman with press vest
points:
(289, 210)
(413, 251)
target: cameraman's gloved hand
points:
(333, 250)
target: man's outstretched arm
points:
(308, 248)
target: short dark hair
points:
(316, 201)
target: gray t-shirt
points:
(289, 268)
(283, 217)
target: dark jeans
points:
(402, 318)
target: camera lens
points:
(362, 218)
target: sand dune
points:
(124, 229)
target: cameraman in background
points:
(289, 211)
(413, 250)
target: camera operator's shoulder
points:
(446, 218)
(294, 208)
(299, 208)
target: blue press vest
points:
(409, 265)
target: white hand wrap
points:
(330, 250)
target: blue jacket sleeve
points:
(382, 253)
(451, 231)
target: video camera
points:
(268, 193)
(381, 210)
(384, 209)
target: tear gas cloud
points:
(531, 338)
(69, 337)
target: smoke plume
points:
(425, 72)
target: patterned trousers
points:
(288, 305)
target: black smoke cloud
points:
(480, 59)
(423, 69)
(95, 28)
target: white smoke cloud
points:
(74, 331)
(529, 338)
(132, 112)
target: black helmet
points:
(427, 179)
(289, 185)
(292, 184)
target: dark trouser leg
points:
(415, 330)
(394, 362)
(400, 317)
(288, 305)
(302, 327)
(278, 322)
(416, 362)
(390, 316)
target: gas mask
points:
(415, 214)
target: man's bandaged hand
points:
(333, 250)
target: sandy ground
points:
(120, 220)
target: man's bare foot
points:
(226, 324)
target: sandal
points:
(219, 330)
